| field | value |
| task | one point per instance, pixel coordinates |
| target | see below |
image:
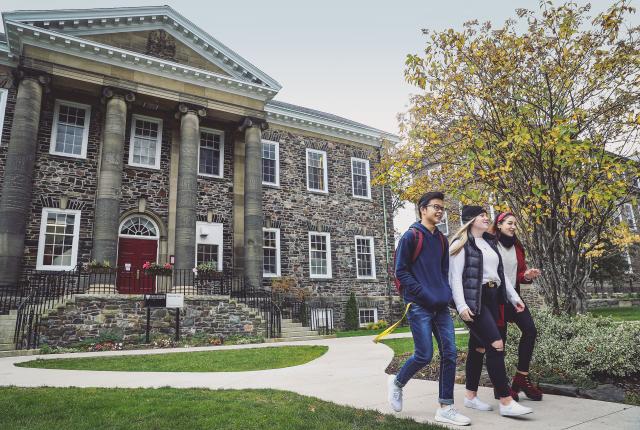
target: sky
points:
(342, 57)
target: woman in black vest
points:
(479, 287)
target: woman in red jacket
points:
(515, 268)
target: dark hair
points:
(427, 197)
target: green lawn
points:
(619, 314)
(457, 323)
(169, 408)
(238, 360)
(403, 345)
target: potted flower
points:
(206, 270)
(157, 269)
(95, 265)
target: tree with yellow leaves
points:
(542, 114)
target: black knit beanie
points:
(470, 212)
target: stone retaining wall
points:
(89, 316)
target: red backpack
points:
(419, 237)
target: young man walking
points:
(424, 280)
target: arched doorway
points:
(137, 244)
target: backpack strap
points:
(417, 234)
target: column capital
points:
(112, 92)
(184, 108)
(248, 122)
(44, 79)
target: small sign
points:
(155, 300)
(127, 267)
(175, 300)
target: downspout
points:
(386, 241)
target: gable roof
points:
(73, 24)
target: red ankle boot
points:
(512, 393)
(523, 382)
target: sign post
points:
(168, 300)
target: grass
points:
(169, 408)
(457, 323)
(238, 360)
(618, 314)
(403, 345)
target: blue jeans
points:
(423, 323)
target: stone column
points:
(15, 203)
(253, 205)
(187, 190)
(107, 216)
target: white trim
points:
(375, 316)
(353, 191)
(217, 240)
(4, 95)
(221, 162)
(631, 219)
(445, 221)
(277, 150)
(629, 270)
(132, 236)
(43, 231)
(373, 257)
(325, 170)
(54, 128)
(277, 274)
(328, 275)
(158, 121)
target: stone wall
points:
(89, 316)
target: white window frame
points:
(54, 128)
(217, 238)
(277, 274)
(373, 257)
(631, 220)
(277, 182)
(375, 316)
(445, 221)
(329, 273)
(43, 231)
(627, 255)
(353, 190)
(325, 190)
(4, 95)
(158, 121)
(221, 163)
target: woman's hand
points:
(519, 306)
(467, 315)
(531, 274)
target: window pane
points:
(360, 178)
(70, 129)
(316, 165)
(318, 264)
(210, 153)
(145, 142)
(269, 162)
(58, 239)
(207, 254)
(364, 255)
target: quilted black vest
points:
(472, 273)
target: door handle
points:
(137, 273)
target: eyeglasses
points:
(437, 208)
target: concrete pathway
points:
(351, 373)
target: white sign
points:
(175, 300)
(127, 267)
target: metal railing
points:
(314, 313)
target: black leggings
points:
(483, 332)
(525, 323)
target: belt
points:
(491, 284)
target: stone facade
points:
(88, 317)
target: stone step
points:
(6, 346)
(299, 334)
(9, 317)
(19, 352)
(301, 338)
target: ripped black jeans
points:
(483, 332)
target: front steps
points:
(7, 331)
(292, 332)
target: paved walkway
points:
(351, 373)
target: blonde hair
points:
(459, 239)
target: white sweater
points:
(490, 262)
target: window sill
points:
(145, 168)
(321, 193)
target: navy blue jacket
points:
(425, 282)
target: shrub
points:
(580, 349)
(351, 320)
(381, 324)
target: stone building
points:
(130, 135)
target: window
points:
(209, 241)
(317, 171)
(145, 143)
(365, 262)
(271, 255)
(270, 163)
(443, 225)
(59, 235)
(211, 154)
(360, 179)
(139, 227)
(70, 131)
(319, 255)
(627, 257)
(367, 316)
(629, 216)
(4, 94)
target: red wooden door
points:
(132, 254)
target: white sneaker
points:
(394, 394)
(478, 404)
(514, 409)
(450, 415)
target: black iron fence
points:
(315, 313)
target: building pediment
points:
(157, 38)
